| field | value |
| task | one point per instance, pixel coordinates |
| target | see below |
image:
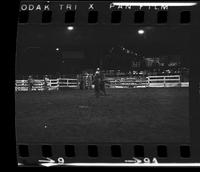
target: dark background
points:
(92, 45)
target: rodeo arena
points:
(102, 104)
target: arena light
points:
(57, 49)
(70, 28)
(141, 32)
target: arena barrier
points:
(68, 83)
(150, 81)
(164, 81)
(114, 82)
(184, 84)
(22, 85)
(126, 83)
(53, 84)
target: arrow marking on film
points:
(48, 160)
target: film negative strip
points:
(107, 83)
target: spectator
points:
(30, 83)
(46, 80)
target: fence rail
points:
(52, 84)
(114, 82)
(126, 83)
(164, 81)
(68, 83)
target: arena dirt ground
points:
(125, 115)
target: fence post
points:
(67, 82)
(164, 81)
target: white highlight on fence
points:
(21, 85)
(164, 81)
(68, 83)
(38, 85)
(127, 83)
(53, 84)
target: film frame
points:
(29, 154)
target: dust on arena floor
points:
(125, 115)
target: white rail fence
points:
(166, 81)
(68, 83)
(126, 83)
(150, 81)
(52, 84)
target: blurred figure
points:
(81, 82)
(46, 80)
(89, 80)
(97, 71)
(97, 80)
(30, 83)
(102, 83)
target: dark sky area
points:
(36, 46)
